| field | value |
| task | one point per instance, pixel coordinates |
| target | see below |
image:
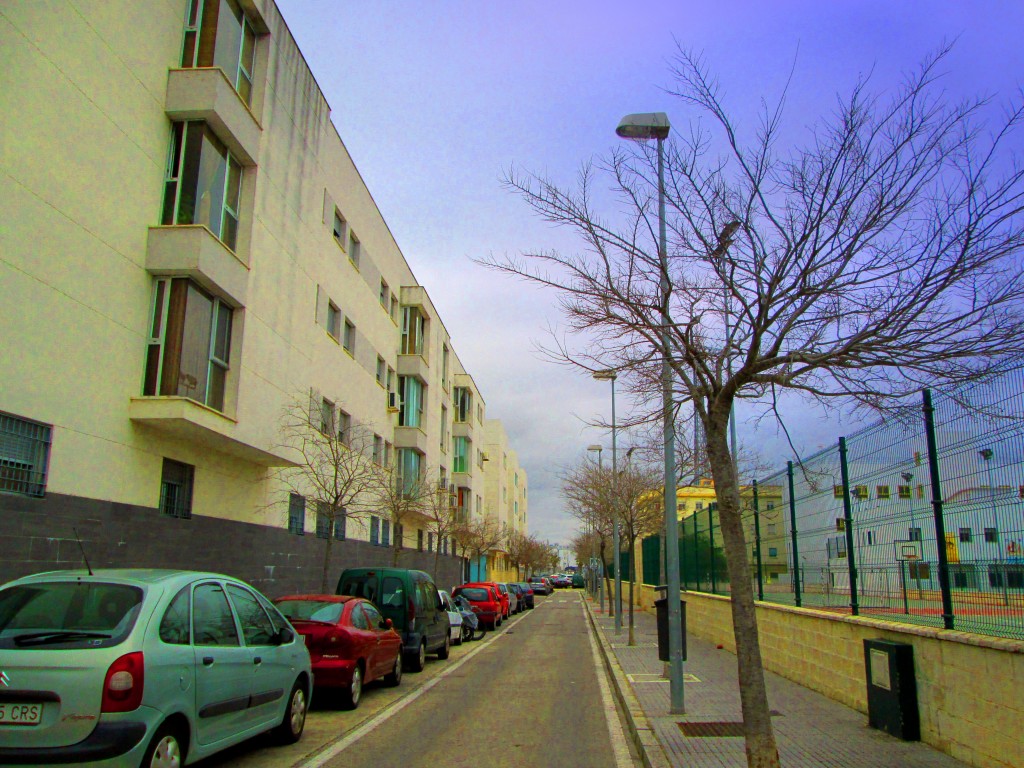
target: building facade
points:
(179, 204)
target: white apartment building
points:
(187, 251)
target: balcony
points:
(411, 437)
(462, 480)
(462, 429)
(194, 251)
(193, 422)
(414, 365)
(206, 94)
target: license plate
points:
(21, 714)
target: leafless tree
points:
(441, 517)
(401, 499)
(586, 488)
(638, 510)
(334, 469)
(876, 256)
(478, 536)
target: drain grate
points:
(711, 730)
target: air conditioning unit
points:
(484, 456)
(393, 402)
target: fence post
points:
(696, 553)
(940, 526)
(711, 546)
(757, 546)
(792, 528)
(848, 525)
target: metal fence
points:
(917, 519)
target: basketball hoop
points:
(908, 549)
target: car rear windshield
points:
(475, 594)
(311, 610)
(67, 614)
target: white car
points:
(454, 617)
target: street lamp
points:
(643, 127)
(610, 375)
(907, 477)
(595, 590)
(987, 454)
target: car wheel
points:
(466, 635)
(419, 661)
(458, 640)
(394, 677)
(164, 750)
(446, 650)
(289, 730)
(350, 696)
(481, 630)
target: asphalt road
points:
(531, 694)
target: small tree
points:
(639, 514)
(442, 517)
(334, 468)
(587, 491)
(478, 536)
(400, 499)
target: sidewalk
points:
(810, 729)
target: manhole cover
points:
(711, 730)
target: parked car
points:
(511, 596)
(350, 643)
(506, 604)
(578, 580)
(487, 601)
(527, 590)
(143, 667)
(411, 600)
(454, 617)
(517, 590)
(540, 585)
(472, 627)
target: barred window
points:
(176, 489)
(24, 455)
(296, 514)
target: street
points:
(532, 693)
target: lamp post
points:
(643, 127)
(907, 477)
(616, 601)
(596, 589)
(987, 454)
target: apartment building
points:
(505, 497)
(189, 253)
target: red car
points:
(350, 643)
(485, 601)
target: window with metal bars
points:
(24, 455)
(176, 489)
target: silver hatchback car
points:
(141, 667)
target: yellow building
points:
(505, 498)
(188, 250)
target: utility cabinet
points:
(892, 689)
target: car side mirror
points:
(285, 635)
(387, 624)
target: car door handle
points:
(257, 660)
(207, 661)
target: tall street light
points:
(596, 589)
(643, 127)
(610, 375)
(987, 454)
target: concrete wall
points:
(38, 535)
(970, 688)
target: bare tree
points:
(401, 498)
(880, 256)
(639, 513)
(441, 516)
(334, 468)
(478, 536)
(586, 488)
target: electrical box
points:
(892, 689)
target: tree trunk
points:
(604, 567)
(327, 564)
(632, 581)
(762, 751)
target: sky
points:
(435, 101)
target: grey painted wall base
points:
(38, 535)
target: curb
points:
(644, 739)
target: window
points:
(387, 453)
(296, 514)
(460, 462)
(430, 541)
(444, 545)
(341, 524)
(189, 343)
(323, 520)
(991, 536)
(353, 247)
(326, 416)
(385, 538)
(24, 455)
(903, 491)
(699, 506)
(860, 492)
(837, 491)
(203, 182)
(219, 34)
(410, 463)
(212, 622)
(394, 308)
(350, 337)
(914, 534)
(339, 228)
(773, 552)
(381, 371)
(391, 379)
(965, 534)
(257, 628)
(176, 489)
(444, 429)
(410, 413)
(444, 366)
(920, 571)
(344, 428)
(374, 529)
(333, 320)
(882, 491)
(174, 626)
(419, 540)
(840, 524)
(463, 400)
(384, 293)
(378, 447)
(413, 326)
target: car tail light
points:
(124, 684)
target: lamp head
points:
(644, 125)
(985, 453)
(606, 375)
(597, 448)
(907, 477)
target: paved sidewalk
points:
(810, 729)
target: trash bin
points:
(892, 689)
(661, 609)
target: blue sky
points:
(435, 100)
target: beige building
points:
(187, 251)
(505, 496)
